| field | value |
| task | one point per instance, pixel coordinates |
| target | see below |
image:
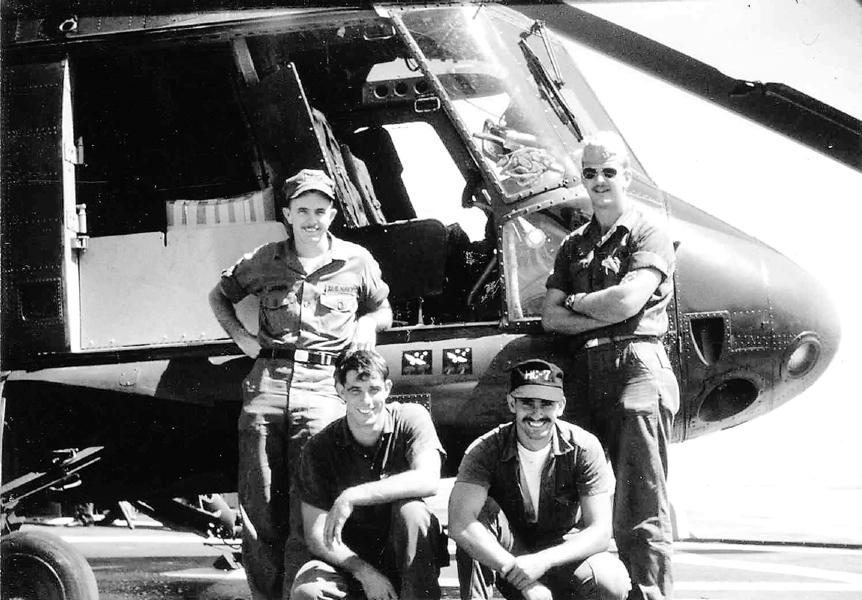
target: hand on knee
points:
(537, 591)
(317, 590)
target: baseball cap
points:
(536, 378)
(309, 180)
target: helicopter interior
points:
(184, 141)
(183, 147)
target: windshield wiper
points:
(548, 86)
(538, 28)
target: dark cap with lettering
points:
(536, 379)
(308, 180)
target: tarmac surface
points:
(151, 562)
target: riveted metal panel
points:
(31, 200)
(30, 154)
(41, 251)
(752, 330)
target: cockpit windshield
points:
(503, 95)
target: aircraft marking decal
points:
(458, 361)
(416, 362)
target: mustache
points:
(529, 418)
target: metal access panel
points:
(35, 182)
(150, 289)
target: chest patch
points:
(611, 265)
(331, 288)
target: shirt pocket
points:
(337, 312)
(564, 511)
(277, 311)
(339, 302)
(564, 495)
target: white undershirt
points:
(531, 474)
(313, 263)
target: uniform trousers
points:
(284, 404)
(626, 394)
(599, 577)
(411, 556)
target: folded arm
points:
(592, 310)
(558, 318)
(622, 301)
(420, 481)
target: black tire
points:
(39, 566)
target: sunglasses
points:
(607, 173)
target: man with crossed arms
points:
(609, 290)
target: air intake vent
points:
(707, 333)
(728, 399)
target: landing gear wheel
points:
(40, 566)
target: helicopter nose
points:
(754, 328)
(805, 321)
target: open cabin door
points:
(150, 288)
(147, 285)
(39, 220)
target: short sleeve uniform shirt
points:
(576, 467)
(588, 261)
(315, 311)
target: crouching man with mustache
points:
(513, 511)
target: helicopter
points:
(144, 152)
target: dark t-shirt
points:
(333, 461)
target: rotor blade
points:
(774, 105)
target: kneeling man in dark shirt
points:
(514, 512)
(362, 480)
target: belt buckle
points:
(300, 355)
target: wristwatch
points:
(570, 302)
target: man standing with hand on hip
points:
(318, 296)
(610, 288)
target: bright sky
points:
(812, 45)
(800, 202)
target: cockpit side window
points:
(437, 190)
(530, 245)
(433, 182)
(417, 181)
